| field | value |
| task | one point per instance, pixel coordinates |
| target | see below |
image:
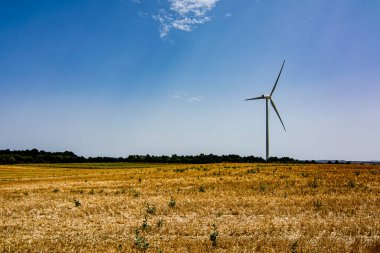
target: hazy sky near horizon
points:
(120, 77)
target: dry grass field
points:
(189, 208)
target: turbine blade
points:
(274, 107)
(278, 77)
(261, 97)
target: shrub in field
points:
(160, 223)
(120, 191)
(77, 203)
(214, 236)
(145, 224)
(140, 242)
(172, 203)
(315, 183)
(135, 193)
(317, 204)
(150, 209)
(202, 188)
(80, 191)
(56, 190)
(251, 171)
(262, 187)
(351, 184)
(294, 247)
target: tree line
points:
(39, 156)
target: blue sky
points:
(113, 78)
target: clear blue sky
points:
(113, 78)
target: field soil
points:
(125, 207)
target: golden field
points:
(124, 207)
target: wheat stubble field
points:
(190, 208)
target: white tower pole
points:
(267, 130)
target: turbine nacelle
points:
(264, 96)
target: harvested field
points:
(126, 207)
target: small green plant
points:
(214, 236)
(351, 184)
(120, 191)
(77, 203)
(150, 209)
(202, 188)
(140, 242)
(135, 193)
(145, 224)
(92, 192)
(315, 183)
(172, 203)
(294, 247)
(304, 174)
(56, 190)
(317, 204)
(219, 213)
(160, 223)
(252, 171)
(76, 191)
(262, 187)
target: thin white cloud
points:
(136, 1)
(186, 97)
(196, 7)
(196, 99)
(143, 14)
(184, 15)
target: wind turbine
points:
(267, 99)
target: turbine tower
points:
(267, 99)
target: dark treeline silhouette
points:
(35, 156)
